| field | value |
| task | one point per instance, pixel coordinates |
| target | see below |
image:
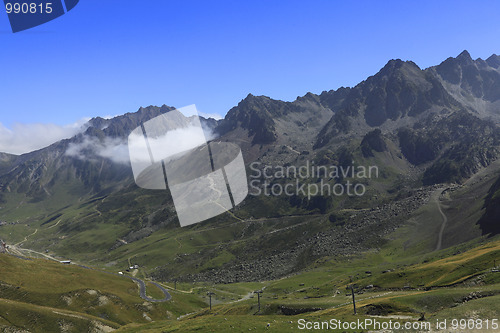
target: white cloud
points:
(24, 138)
(167, 135)
(113, 148)
(215, 116)
(118, 149)
(176, 141)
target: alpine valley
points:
(422, 241)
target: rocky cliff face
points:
(255, 114)
(473, 83)
(373, 141)
(490, 221)
(396, 96)
(430, 114)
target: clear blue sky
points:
(108, 57)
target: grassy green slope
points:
(72, 223)
(454, 283)
(44, 296)
(38, 295)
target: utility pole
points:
(353, 299)
(210, 295)
(258, 292)
(175, 284)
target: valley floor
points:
(459, 283)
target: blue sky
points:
(108, 57)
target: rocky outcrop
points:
(373, 141)
(490, 221)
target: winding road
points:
(142, 291)
(142, 286)
(443, 225)
(16, 251)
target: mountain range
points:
(430, 132)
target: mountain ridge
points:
(421, 128)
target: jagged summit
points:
(473, 79)
(493, 61)
(121, 126)
(397, 64)
(464, 58)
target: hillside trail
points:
(55, 225)
(19, 251)
(482, 176)
(244, 298)
(443, 225)
(26, 238)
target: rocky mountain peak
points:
(255, 114)
(464, 58)
(256, 103)
(121, 126)
(397, 66)
(494, 61)
(477, 79)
